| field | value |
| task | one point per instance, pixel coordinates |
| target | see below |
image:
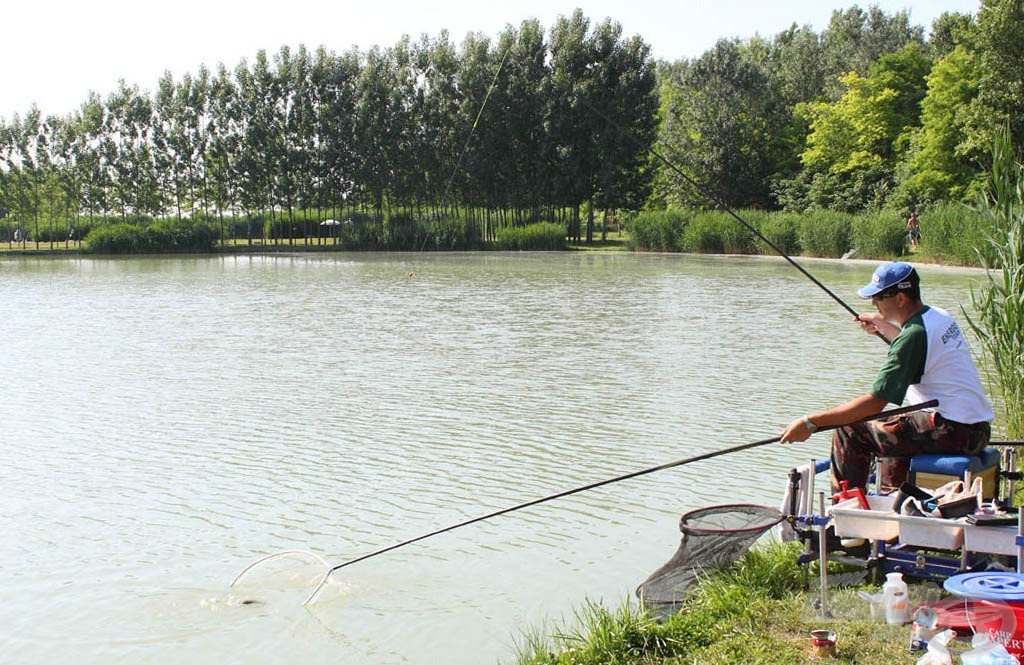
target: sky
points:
(52, 54)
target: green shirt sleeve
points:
(904, 365)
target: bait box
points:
(991, 539)
(879, 523)
(933, 532)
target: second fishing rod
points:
(703, 191)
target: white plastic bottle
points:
(895, 599)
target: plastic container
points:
(997, 609)
(879, 523)
(926, 622)
(933, 532)
(984, 651)
(846, 493)
(938, 653)
(991, 539)
(896, 599)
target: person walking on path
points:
(928, 359)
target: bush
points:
(162, 236)
(825, 233)
(955, 233)
(657, 230)
(717, 232)
(782, 229)
(879, 235)
(543, 236)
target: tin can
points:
(823, 643)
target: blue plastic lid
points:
(1008, 587)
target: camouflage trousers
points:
(894, 441)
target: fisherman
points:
(928, 359)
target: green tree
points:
(938, 166)
(334, 82)
(855, 39)
(998, 40)
(861, 137)
(949, 30)
(722, 124)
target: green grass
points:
(761, 610)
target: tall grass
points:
(955, 233)
(161, 236)
(951, 234)
(540, 236)
(825, 233)
(999, 301)
(878, 235)
(657, 230)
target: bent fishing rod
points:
(590, 486)
(703, 191)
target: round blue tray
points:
(1008, 587)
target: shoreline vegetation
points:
(951, 234)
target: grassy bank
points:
(950, 233)
(761, 610)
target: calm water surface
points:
(166, 422)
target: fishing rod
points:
(725, 208)
(661, 467)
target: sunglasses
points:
(883, 295)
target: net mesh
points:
(713, 539)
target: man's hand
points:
(795, 432)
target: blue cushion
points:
(954, 465)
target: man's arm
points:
(856, 409)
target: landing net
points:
(713, 539)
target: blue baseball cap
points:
(892, 274)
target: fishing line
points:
(725, 208)
(469, 138)
(661, 467)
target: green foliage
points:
(881, 234)
(532, 237)
(161, 236)
(999, 301)
(954, 233)
(825, 233)
(727, 125)
(718, 233)
(782, 229)
(725, 620)
(769, 568)
(624, 635)
(657, 230)
(120, 238)
(451, 234)
(999, 40)
(938, 165)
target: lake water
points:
(168, 421)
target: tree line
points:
(868, 114)
(519, 129)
